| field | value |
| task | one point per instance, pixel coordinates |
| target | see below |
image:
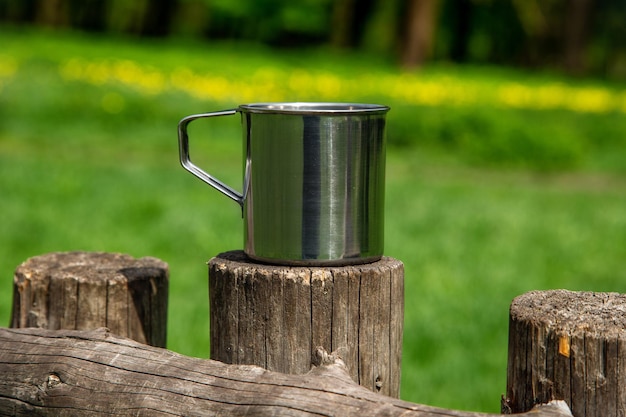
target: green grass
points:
(472, 241)
(484, 202)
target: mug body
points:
(314, 182)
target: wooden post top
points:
(574, 312)
(90, 265)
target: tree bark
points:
(421, 22)
(277, 316)
(53, 13)
(94, 373)
(568, 346)
(87, 290)
(576, 35)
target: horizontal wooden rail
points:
(93, 373)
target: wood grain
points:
(283, 314)
(569, 346)
(88, 290)
(95, 373)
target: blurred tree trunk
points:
(348, 22)
(577, 19)
(52, 13)
(420, 29)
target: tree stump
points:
(568, 346)
(277, 316)
(88, 290)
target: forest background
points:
(506, 163)
(579, 36)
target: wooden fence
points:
(565, 348)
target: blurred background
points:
(582, 37)
(506, 162)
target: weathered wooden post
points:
(570, 346)
(276, 316)
(88, 290)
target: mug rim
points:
(313, 108)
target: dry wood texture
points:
(88, 290)
(277, 316)
(94, 373)
(568, 346)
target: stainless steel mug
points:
(314, 181)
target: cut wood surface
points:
(95, 373)
(569, 346)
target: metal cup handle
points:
(183, 142)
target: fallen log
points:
(95, 373)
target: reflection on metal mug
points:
(314, 181)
